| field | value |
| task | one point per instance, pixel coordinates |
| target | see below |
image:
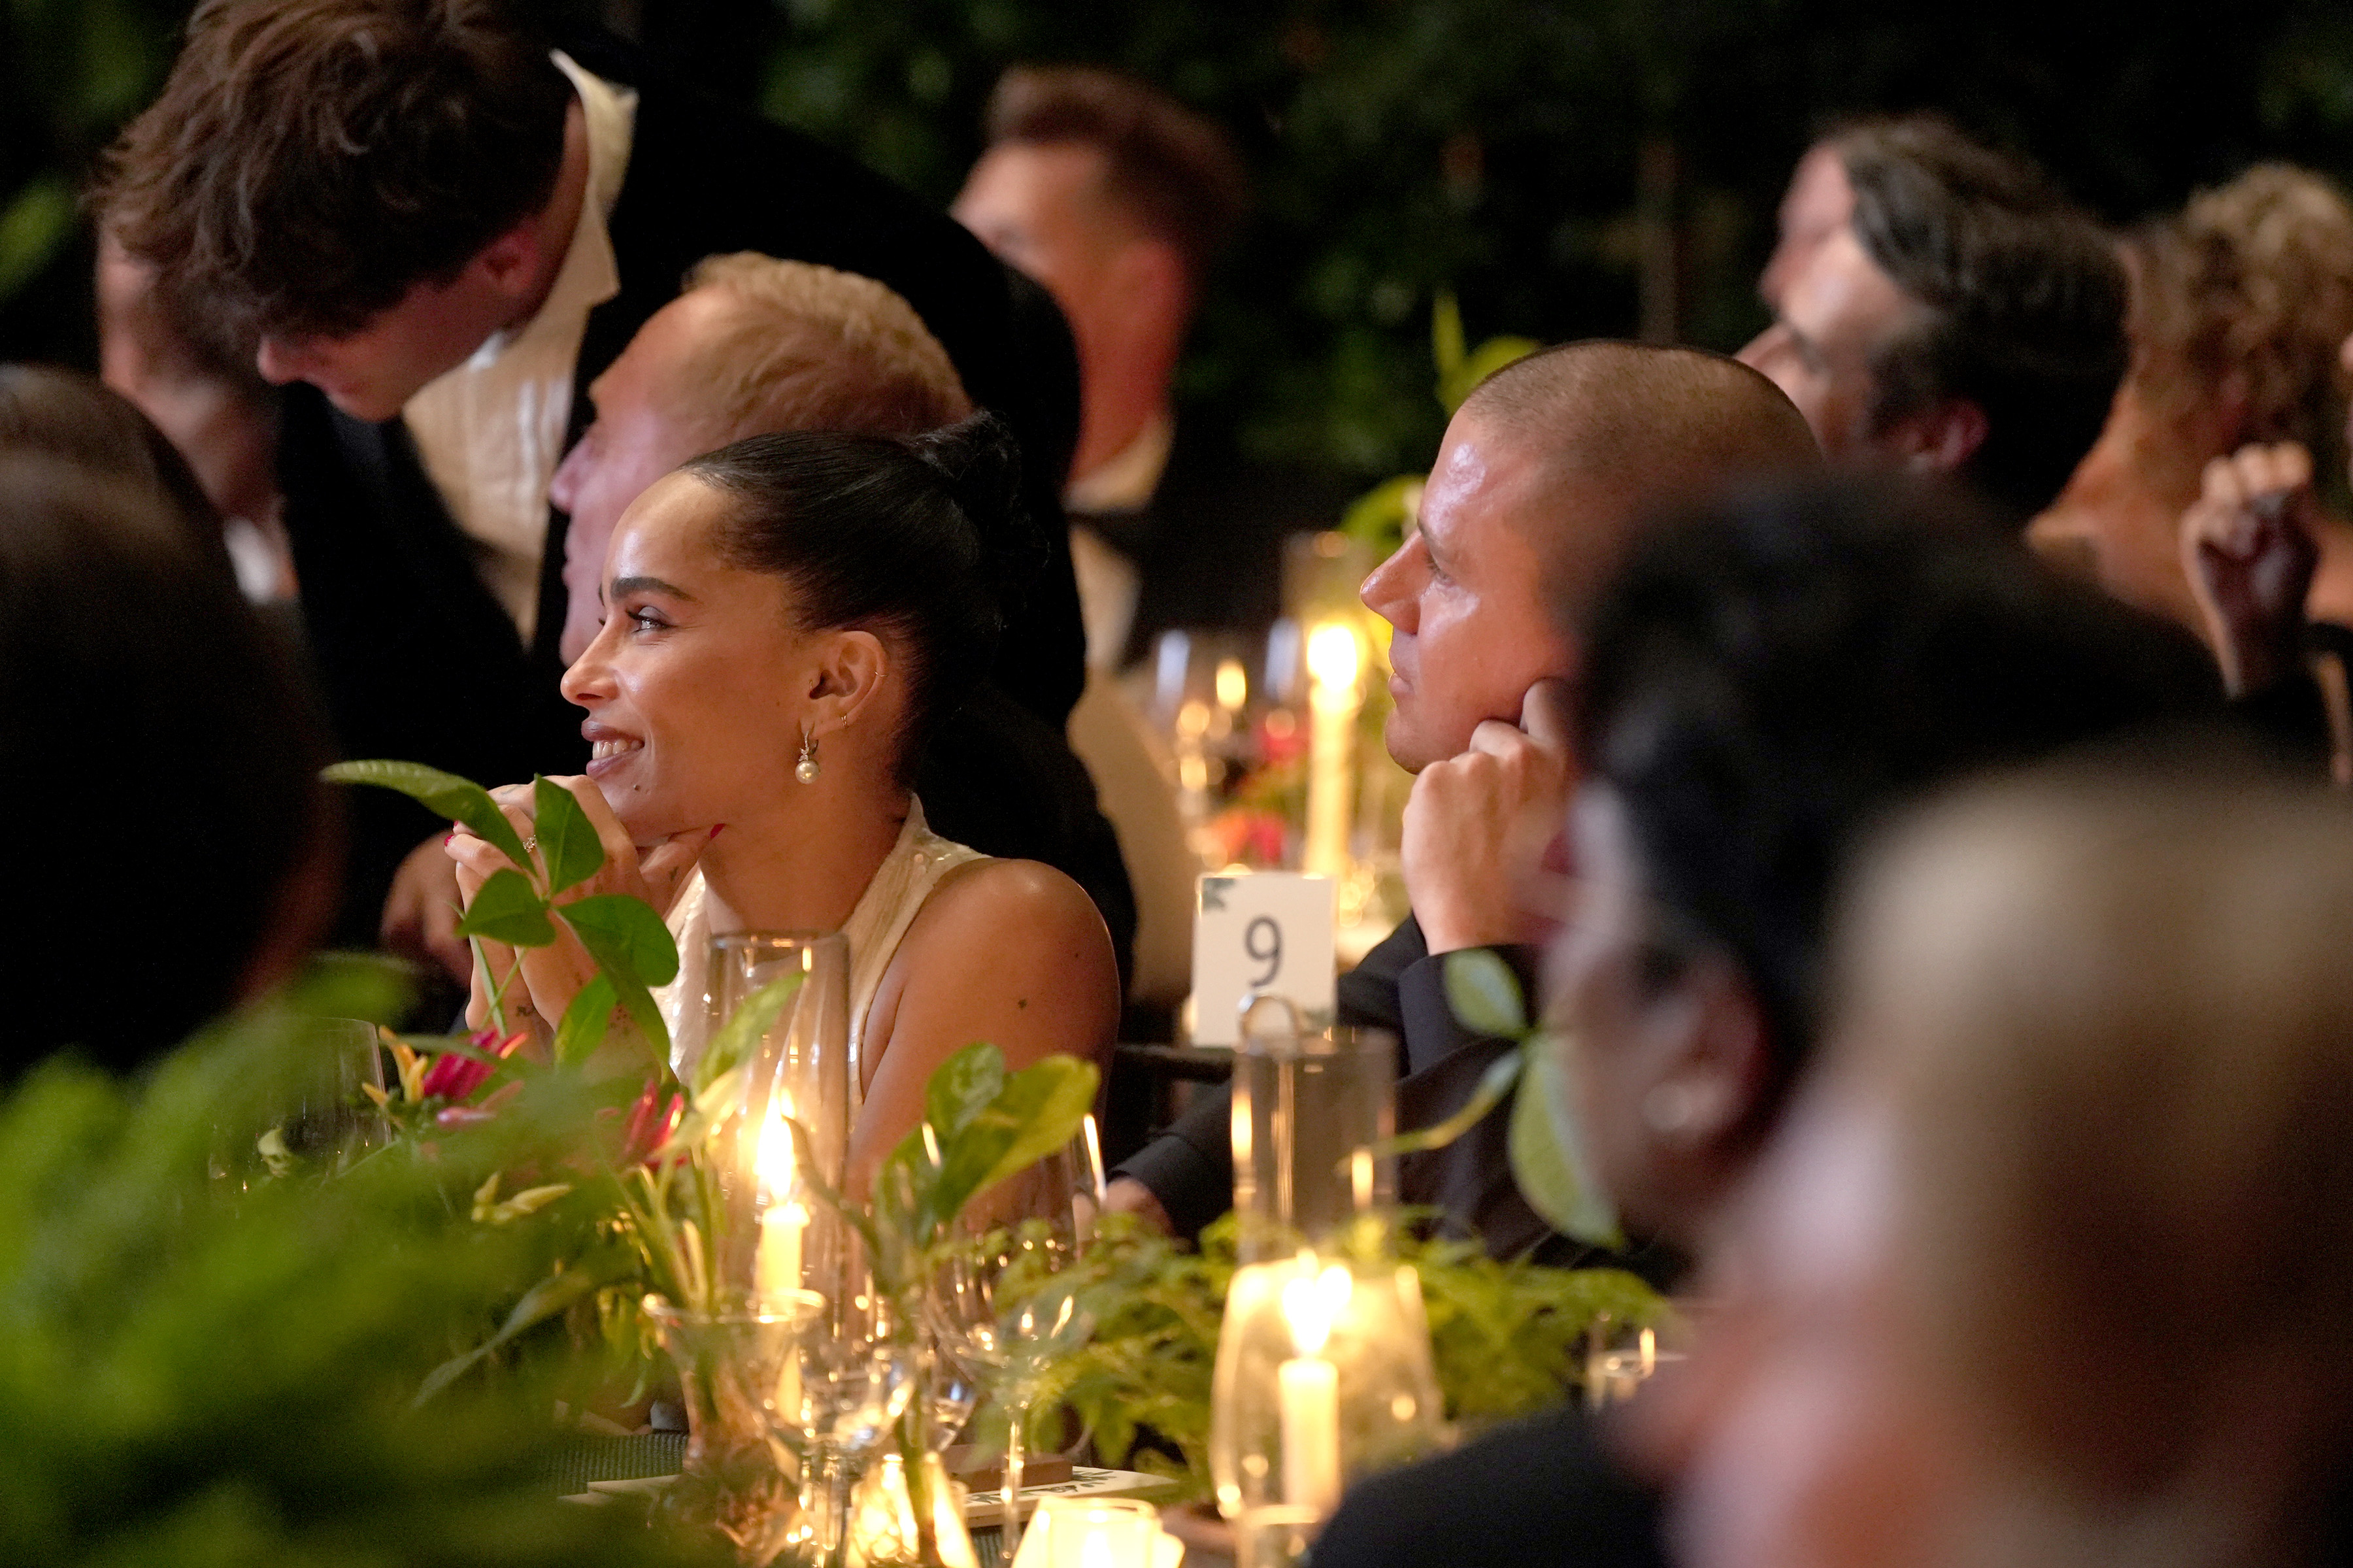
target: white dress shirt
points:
(491, 432)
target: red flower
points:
(454, 1077)
(651, 1123)
(473, 1115)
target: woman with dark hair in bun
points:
(786, 618)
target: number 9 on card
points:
(1262, 930)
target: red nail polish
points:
(714, 832)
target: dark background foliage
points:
(1568, 167)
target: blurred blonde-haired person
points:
(2055, 1265)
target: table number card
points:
(1263, 930)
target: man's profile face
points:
(1818, 205)
(642, 432)
(1040, 206)
(1466, 594)
(370, 373)
(1836, 312)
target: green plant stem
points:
(496, 990)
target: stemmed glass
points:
(855, 1384)
(995, 1308)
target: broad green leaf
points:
(633, 948)
(1484, 994)
(1494, 1084)
(585, 1022)
(508, 909)
(1037, 1112)
(1446, 334)
(1378, 519)
(625, 936)
(443, 794)
(1484, 360)
(35, 223)
(738, 1038)
(1548, 1150)
(567, 839)
(551, 1298)
(961, 1087)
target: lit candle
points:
(1307, 1389)
(1334, 662)
(784, 1221)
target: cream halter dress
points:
(907, 876)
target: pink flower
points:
(475, 1115)
(651, 1123)
(454, 1077)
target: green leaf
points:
(1484, 994)
(1038, 1111)
(508, 909)
(1446, 335)
(443, 794)
(634, 949)
(1494, 1084)
(961, 1087)
(568, 844)
(1548, 1150)
(739, 1036)
(551, 1298)
(1378, 519)
(625, 936)
(33, 226)
(1456, 386)
(585, 1022)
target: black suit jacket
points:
(1207, 548)
(419, 660)
(1539, 1490)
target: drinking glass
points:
(856, 1382)
(996, 1307)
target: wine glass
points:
(996, 1307)
(855, 1384)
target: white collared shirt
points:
(491, 431)
(1108, 581)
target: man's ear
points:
(1717, 1066)
(511, 260)
(1940, 437)
(851, 667)
(1152, 279)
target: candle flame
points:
(1333, 655)
(1233, 684)
(774, 1165)
(1312, 1302)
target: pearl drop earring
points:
(805, 769)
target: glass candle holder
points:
(1324, 1374)
(736, 1371)
(783, 1239)
(1309, 1107)
(1097, 1533)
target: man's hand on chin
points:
(1476, 825)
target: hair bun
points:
(980, 463)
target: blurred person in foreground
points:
(1960, 317)
(1544, 474)
(2055, 1265)
(2241, 305)
(787, 620)
(52, 412)
(435, 228)
(1119, 200)
(177, 853)
(754, 346)
(1761, 687)
(213, 408)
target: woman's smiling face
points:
(697, 687)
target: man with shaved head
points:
(1544, 474)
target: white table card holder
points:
(1263, 932)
